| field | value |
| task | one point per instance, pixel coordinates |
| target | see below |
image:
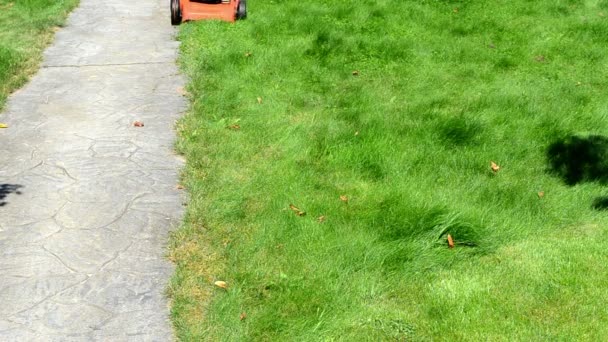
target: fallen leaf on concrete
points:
(494, 167)
(221, 284)
(182, 91)
(3, 125)
(138, 124)
(297, 210)
(450, 241)
(179, 187)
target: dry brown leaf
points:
(235, 127)
(541, 194)
(182, 91)
(343, 198)
(179, 187)
(494, 167)
(321, 219)
(259, 100)
(242, 316)
(450, 241)
(221, 284)
(297, 210)
(138, 124)
(355, 72)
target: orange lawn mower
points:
(228, 10)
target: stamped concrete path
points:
(86, 198)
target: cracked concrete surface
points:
(86, 198)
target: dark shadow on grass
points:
(578, 159)
(7, 189)
(600, 203)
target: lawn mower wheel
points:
(241, 11)
(176, 13)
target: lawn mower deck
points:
(227, 10)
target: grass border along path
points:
(333, 145)
(26, 28)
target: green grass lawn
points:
(380, 120)
(26, 27)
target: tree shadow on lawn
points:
(7, 189)
(577, 159)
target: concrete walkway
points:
(86, 198)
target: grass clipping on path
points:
(332, 147)
(26, 28)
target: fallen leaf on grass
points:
(540, 58)
(450, 241)
(297, 210)
(138, 124)
(248, 54)
(343, 198)
(221, 284)
(3, 125)
(456, 10)
(541, 194)
(234, 127)
(321, 219)
(242, 316)
(259, 100)
(494, 167)
(356, 73)
(357, 133)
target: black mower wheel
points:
(176, 13)
(241, 11)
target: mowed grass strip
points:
(333, 145)
(26, 28)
